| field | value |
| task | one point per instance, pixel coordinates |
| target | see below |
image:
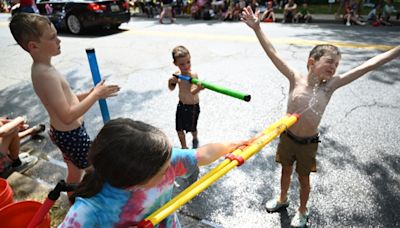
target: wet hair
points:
(320, 50)
(125, 153)
(179, 52)
(26, 27)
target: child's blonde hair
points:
(26, 27)
(179, 52)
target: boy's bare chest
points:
(316, 97)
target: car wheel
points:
(115, 27)
(74, 25)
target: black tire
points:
(74, 25)
(115, 27)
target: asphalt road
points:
(357, 183)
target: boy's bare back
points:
(54, 92)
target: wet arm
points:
(253, 22)
(274, 56)
(367, 66)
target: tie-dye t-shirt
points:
(115, 207)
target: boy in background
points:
(188, 109)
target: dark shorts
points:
(73, 144)
(302, 150)
(186, 117)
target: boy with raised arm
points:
(300, 143)
(37, 35)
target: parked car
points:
(80, 15)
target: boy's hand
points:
(103, 91)
(174, 79)
(240, 144)
(250, 18)
(200, 86)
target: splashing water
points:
(312, 102)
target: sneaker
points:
(27, 162)
(274, 205)
(299, 219)
(348, 23)
(195, 143)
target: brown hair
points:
(179, 52)
(26, 27)
(320, 50)
(125, 153)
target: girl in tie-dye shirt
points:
(132, 175)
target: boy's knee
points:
(287, 170)
(304, 182)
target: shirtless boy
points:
(188, 108)
(37, 35)
(300, 144)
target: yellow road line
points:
(240, 38)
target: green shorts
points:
(292, 148)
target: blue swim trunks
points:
(73, 144)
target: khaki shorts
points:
(290, 151)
